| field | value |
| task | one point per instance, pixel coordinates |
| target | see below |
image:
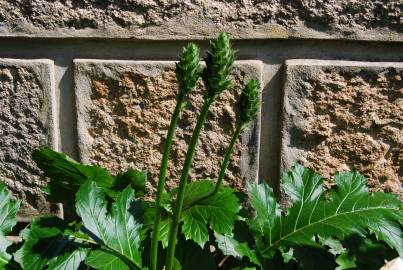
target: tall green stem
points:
(226, 159)
(161, 183)
(173, 231)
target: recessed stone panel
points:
(26, 123)
(124, 110)
(341, 115)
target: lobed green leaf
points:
(217, 212)
(119, 230)
(350, 209)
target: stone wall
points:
(124, 110)
(184, 19)
(27, 122)
(341, 115)
(95, 80)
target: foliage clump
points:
(115, 228)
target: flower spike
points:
(248, 104)
(219, 64)
(188, 69)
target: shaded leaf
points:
(176, 265)
(345, 261)
(67, 175)
(134, 178)
(309, 258)
(229, 246)
(46, 241)
(190, 256)
(370, 254)
(165, 223)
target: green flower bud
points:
(219, 64)
(188, 69)
(248, 104)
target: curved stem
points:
(227, 157)
(223, 167)
(173, 231)
(161, 183)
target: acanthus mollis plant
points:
(317, 219)
(113, 227)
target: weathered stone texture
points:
(341, 115)
(26, 123)
(158, 19)
(124, 110)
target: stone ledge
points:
(341, 115)
(124, 109)
(162, 20)
(27, 106)
(173, 31)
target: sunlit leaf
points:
(350, 209)
(217, 212)
(102, 260)
(347, 209)
(118, 230)
(8, 212)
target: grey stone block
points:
(342, 19)
(27, 121)
(124, 109)
(341, 115)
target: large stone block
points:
(27, 121)
(187, 19)
(340, 115)
(124, 110)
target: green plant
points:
(114, 227)
(317, 218)
(8, 212)
(219, 62)
(187, 72)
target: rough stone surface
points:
(161, 19)
(26, 123)
(340, 115)
(124, 110)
